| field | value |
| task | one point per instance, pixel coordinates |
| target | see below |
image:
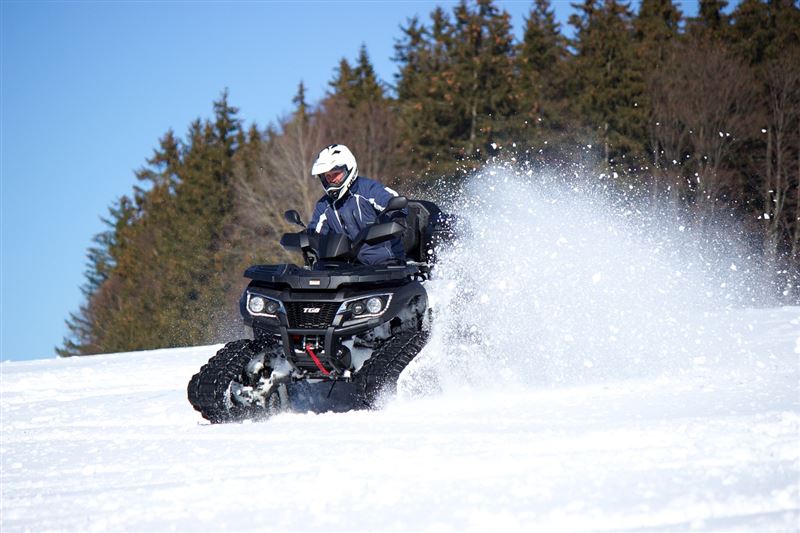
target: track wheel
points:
(381, 371)
(219, 390)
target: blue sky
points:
(88, 88)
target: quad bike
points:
(332, 335)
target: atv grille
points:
(304, 315)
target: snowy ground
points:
(601, 367)
(110, 443)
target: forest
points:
(703, 112)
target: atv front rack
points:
(333, 277)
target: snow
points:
(110, 443)
(629, 381)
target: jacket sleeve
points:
(379, 197)
(318, 222)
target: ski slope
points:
(594, 365)
(109, 443)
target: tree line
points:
(703, 111)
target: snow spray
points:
(558, 280)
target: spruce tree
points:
(656, 26)
(169, 255)
(85, 326)
(711, 21)
(609, 78)
(424, 98)
(712, 16)
(456, 85)
(357, 84)
(763, 30)
(483, 76)
(542, 82)
(301, 106)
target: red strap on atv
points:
(316, 360)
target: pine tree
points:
(423, 93)
(763, 30)
(785, 17)
(357, 84)
(301, 105)
(456, 84)
(84, 326)
(656, 26)
(610, 81)
(162, 276)
(712, 15)
(483, 75)
(711, 21)
(542, 82)
(345, 78)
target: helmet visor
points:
(334, 176)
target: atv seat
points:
(426, 227)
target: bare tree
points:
(369, 129)
(669, 135)
(782, 79)
(276, 178)
(291, 156)
(718, 115)
(278, 175)
(703, 101)
(795, 253)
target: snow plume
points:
(557, 281)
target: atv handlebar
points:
(315, 246)
(337, 245)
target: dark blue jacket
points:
(360, 207)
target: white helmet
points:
(331, 157)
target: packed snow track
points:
(109, 443)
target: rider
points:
(353, 202)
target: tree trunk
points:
(796, 222)
(473, 115)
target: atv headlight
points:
(366, 307)
(374, 305)
(256, 304)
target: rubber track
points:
(208, 389)
(382, 370)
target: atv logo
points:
(311, 309)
